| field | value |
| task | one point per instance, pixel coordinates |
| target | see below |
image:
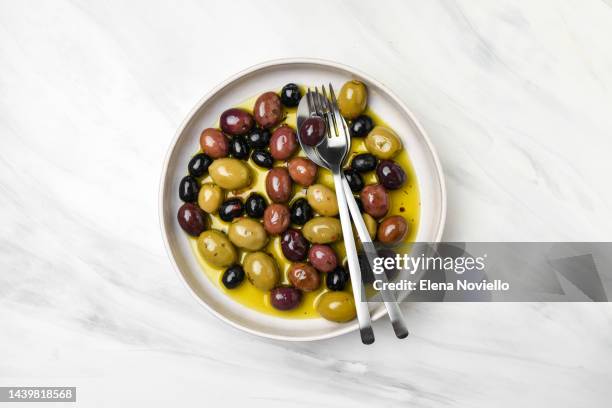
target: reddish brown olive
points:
(375, 200)
(268, 110)
(303, 171)
(323, 258)
(279, 185)
(285, 298)
(214, 143)
(392, 230)
(283, 143)
(304, 277)
(276, 218)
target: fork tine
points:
(309, 101)
(331, 119)
(325, 111)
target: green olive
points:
(210, 197)
(248, 234)
(230, 174)
(382, 142)
(352, 99)
(322, 199)
(337, 306)
(217, 249)
(371, 224)
(322, 230)
(261, 270)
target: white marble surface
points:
(516, 96)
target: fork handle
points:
(395, 314)
(361, 304)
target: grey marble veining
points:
(516, 97)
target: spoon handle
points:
(361, 304)
(395, 314)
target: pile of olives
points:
(307, 226)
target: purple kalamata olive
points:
(236, 121)
(312, 131)
(390, 174)
(323, 257)
(191, 219)
(285, 297)
(294, 245)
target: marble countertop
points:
(516, 97)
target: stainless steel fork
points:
(333, 152)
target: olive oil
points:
(404, 202)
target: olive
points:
(312, 131)
(337, 306)
(255, 205)
(354, 179)
(230, 209)
(371, 224)
(322, 230)
(279, 185)
(361, 126)
(210, 197)
(290, 95)
(239, 148)
(285, 298)
(217, 249)
(214, 143)
(268, 111)
(188, 189)
(302, 170)
(198, 165)
(233, 277)
(375, 200)
(363, 162)
(261, 270)
(352, 99)
(259, 138)
(322, 199)
(191, 219)
(304, 277)
(392, 230)
(262, 158)
(283, 143)
(230, 174)
(248, 234)
(383, 143)
(390, 174)
(294, 245)
(301, 211)
(323, 257)
(236, 121)
(337, 279)
(276, 218)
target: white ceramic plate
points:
(253, 81)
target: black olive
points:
(290, 95)
(230, 209)
(188, 189)
(255, 205)
(363, 163)
(301, 211)
(239, 148)
(354, 179)
(233, 276)
(361, 126)
(262, 158)
(199, 164)
(359, 204)
(259, 138)
(337, 279)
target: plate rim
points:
(218, 88)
